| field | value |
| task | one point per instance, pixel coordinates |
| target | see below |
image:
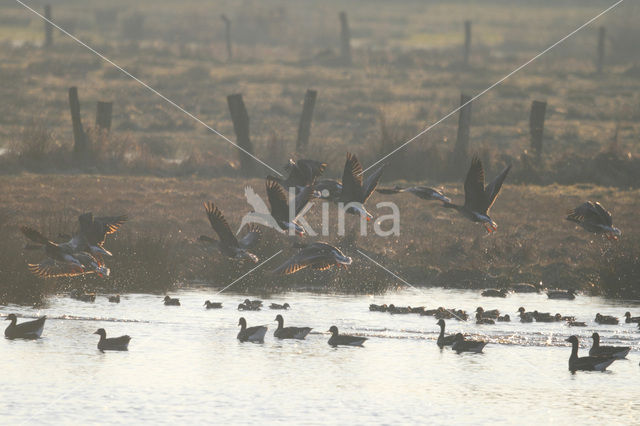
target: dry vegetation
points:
(407, 73)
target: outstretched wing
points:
(220, 225)
(251, 238)
(493, 189)
(604, 214)
(302, 199)
(587, 212)
(371, 182)
(255, 201)
(34, 235)
(49, 268)
(96, 229)
(277, 199)
(474, 197)
(352, 180)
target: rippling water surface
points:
(185, 364)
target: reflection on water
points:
(185, 363)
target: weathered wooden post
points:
(80, 140)
(461, 149)
(240, 119)
(227, 32)
(345, 40)
(536, 125)
(467, 42)
(48, 28)
(304, 128)
(103, 115)
(600, 57)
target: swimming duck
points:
(171, 302)
(442, 339)
(478, 199)
(481, 320)
(318, 256)
(561, 294)
(290, 332)
(629, 319)
(24, 330)
(617, 352)
(423, 192)
(594, 218)
(337, 339)
(112, 344)
(462, 345)
(284, 306)
(560, 317)
(576, 324)
(525, 316)
(248, 306)
(606, 319)
(402, 310)
(543, 317)
(526, 288)
(504, 318)
(279, 202)
(492, 292)
(114, 299)
(228, 244)
(251, 334)
(378, 308)
(355, 190)
(492, 314)
(586, 363)
(212, 305)
(82, 296)
(453, 313)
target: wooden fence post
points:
(600, 58)
(536, 125)
(48, 28)
(80, 140)
(304, 128)
(240, 119)
(345, 40)
(461, 148)
(227, 32)
(467, 42)
(103, 115)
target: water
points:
(185, 364)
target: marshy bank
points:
(157, 249)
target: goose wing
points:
(310, 256)
(277, 199)
(29, 327)
(474, 197)
(49, 268)
(493, 189)
(96, 229)
(371, 182)
(303, 198)
(35, 236)
(587, 212)
(220, 225)
(604, 214)
(251, 238)
(352, 180)
(304, 172)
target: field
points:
(158, 165)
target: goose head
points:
(521, 310)
(12, 318)
(333, 330)
(479, 310)
(572, 339)
(286, 306)
(441, 323)
(279, 319)
(358, 209)
(100, 332)
(242, 323)
(595, 337)
(166, 298)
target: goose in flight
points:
(94, 230)
(319, 256)
(478, 199)
(594, 218)
(423, 192)
(302, 173)
(280, 209)
(355, 190)
(228, 244)
(63, 260)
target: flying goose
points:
(251, 334)
(280, 208)
(423, 192)
(594, 218)
(337, 339)
(478, 199)
(526, 288)
(94, 230)
(561, 294)
(629, 319)
(606, 319)
(319, 256)
(289, 332)
(113, 343)
(228, 244)
(114, 299)
(24, 330)
(462, 345)
(302, 173)
(212, 305)
(63, 260)
(355, 190)
(442, 339)
(277, 306)
(492, 292)
(586, 363)
(328, 189)
(168, 301)
(617, 352)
